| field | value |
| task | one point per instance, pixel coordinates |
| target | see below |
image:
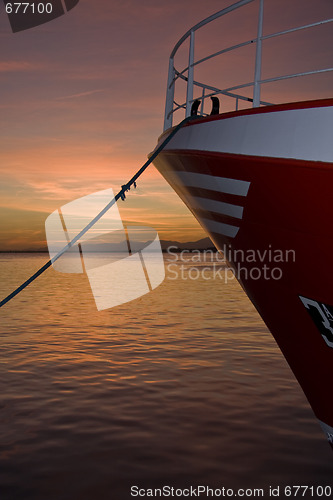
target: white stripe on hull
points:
(304, 134)
(210, 182)
(219, 227)
(214, 183)
(218, 207)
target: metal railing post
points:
(168, 116)
(202, 101)
(189, 92)
(257, 71)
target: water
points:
(184, 386)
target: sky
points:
(82, 101)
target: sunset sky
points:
(82, 102)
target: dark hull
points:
(272, 216)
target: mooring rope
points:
(121, 195)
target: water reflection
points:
(181, 386)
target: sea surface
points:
(182, 387)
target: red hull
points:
(274, 222)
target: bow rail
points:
(187, 74)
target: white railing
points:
(187, 74)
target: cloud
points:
(81, 94)
(83, 98)
(14, 66)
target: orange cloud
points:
(14, 66)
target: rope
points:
(121, 195)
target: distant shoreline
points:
(202, 245)
(175, 250)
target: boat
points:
(259, 180)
